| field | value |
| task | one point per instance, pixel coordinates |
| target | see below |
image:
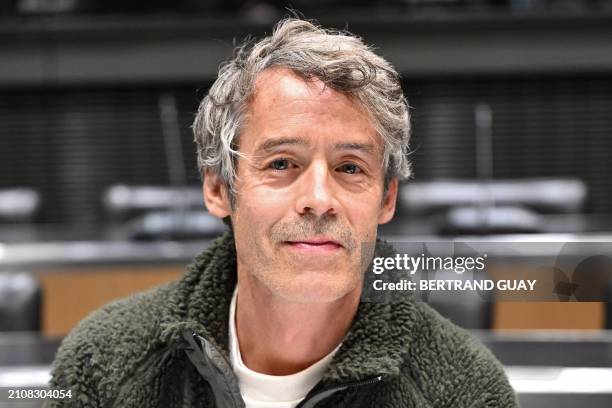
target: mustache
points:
(310, 225)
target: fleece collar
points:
(375, 344)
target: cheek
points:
(260, 208)
(362, 210)
(363, 218)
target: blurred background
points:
(100, 195)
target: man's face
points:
(309, 190)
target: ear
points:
(216, 196)
(387, 209)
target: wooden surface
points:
(549, 315)
(70, 294)
(520, 314)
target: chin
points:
(315, 289)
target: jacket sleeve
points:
(77, 367)
(80, 363)
(72, 371)
(483, 384)
(460, 371)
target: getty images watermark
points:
(492, 271)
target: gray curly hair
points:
(337, 58)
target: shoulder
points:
(452, 368)
(101, 349)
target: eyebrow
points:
(281, 141)
(271, 144)
(365, 147)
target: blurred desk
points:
(27, 349)
(549, 348)
(79, 277)
(555, 369)
(25, 361)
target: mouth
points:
(321, 244)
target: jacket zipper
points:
(226, 398)
(312, 399)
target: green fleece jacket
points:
(168, 347)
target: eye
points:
(279, 164)
(350, 168)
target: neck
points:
(281, 337)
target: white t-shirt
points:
(271, 391)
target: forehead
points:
(283, 103)
(280, 83)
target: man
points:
(301, 141)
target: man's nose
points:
(316, 192)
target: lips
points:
(316, 244)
